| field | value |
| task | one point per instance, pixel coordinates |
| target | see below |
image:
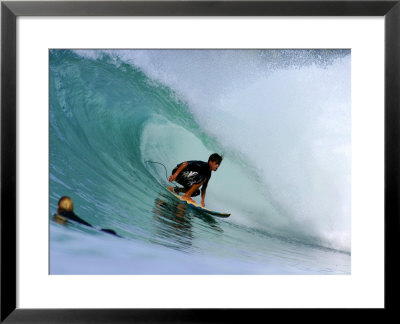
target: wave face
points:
(281, 118)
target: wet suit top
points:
(70, 215)
(194, 173)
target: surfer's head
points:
(214, 161)
(65, 204)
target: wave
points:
(280, 118)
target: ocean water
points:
(281, 119)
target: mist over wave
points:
(281, 118)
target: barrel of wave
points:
(233, 187)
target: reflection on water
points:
(175, 223)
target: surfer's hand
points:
(202, 203)
(172, 178)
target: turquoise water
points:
(280, 118)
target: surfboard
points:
(198, 207)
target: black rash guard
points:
(195, 173)
(72, 216)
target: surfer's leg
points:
(184, 182)
(179, 190)
(192, 191)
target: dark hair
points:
(215, 158)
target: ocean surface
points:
(280, 118)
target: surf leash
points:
(166, 172)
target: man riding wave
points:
(194, 174)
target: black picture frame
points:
(10, 10)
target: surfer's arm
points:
(203, 196)
(179, 170)
(203, 192)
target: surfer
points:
(194, 174)
(65, 212)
